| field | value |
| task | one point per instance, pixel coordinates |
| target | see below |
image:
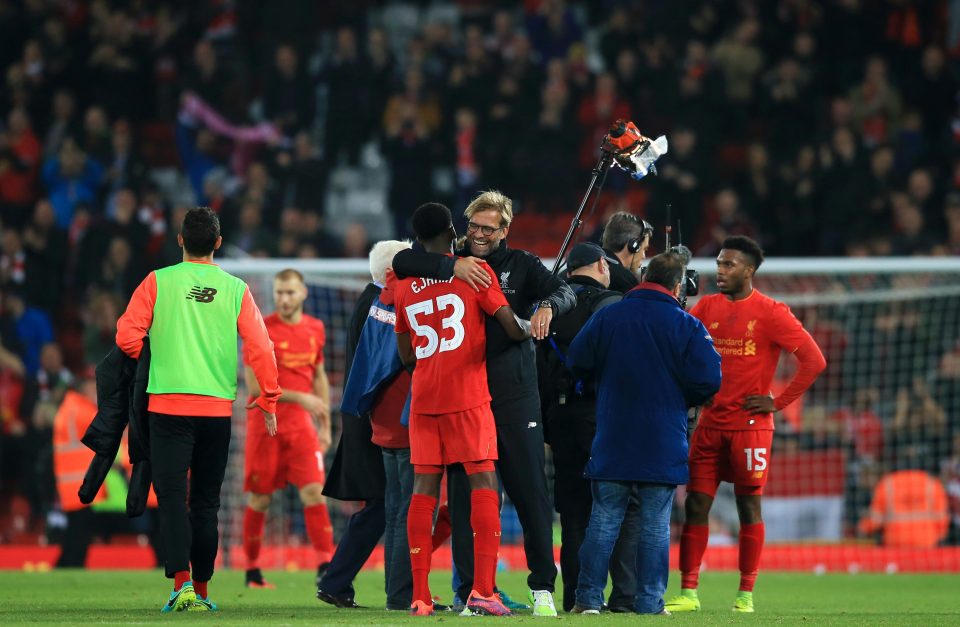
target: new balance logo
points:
(202, 294)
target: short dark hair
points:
(622, 228)
(747, 246)
(430, 220)
(200, 230)
(666, 270)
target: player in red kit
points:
(733, 437)
(441, 329)
(295, 455)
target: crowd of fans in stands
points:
(821, 127)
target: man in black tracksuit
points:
(512, 379)
(570, 417)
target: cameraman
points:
(570, 420)
(512, 379)
(626, 239)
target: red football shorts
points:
(270, 463)
(443, 439)
(738, 457)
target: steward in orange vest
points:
(910, 508)
(70, 457)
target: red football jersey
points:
(299, 351)
(749, 335)
(446, 321)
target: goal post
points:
(889, 401)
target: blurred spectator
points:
(288, 94)
(100, 326)
(19, 165)
(356, 243)
(206, 77)
(933, 91)
(98, 244)
(25, 329)
(251, 237)
(96, 134)
(46, 249)
(125, 168)
(63, 123)
(876, 104)
(730, 221)
(553, 29)
(595, 115)
(346, 78)
(407, 148)
(741, 60)
(196, 146)
(919, 426)
(300, 174)
(912, 237)
(48, 384)
(863, 429)
(70, 178)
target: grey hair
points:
(381, 257)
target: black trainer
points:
(254, 579)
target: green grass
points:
(135, 597)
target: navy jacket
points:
(650, 361)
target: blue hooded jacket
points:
(375, 363)
(650, 361)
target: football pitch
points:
(134, 597)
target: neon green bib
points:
(193, 338)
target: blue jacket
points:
(375, 362)
(650, 361)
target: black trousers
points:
(357, 543)
(189, 528)
(521, 470)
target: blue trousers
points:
(396, 551)
(610, 501)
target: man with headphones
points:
(626, 239)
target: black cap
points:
(584, 254)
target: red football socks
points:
(200, 587)
(443, 528)
(179, 578)
(252, 536)
(320, 531)
(420, 539)
(485, 520)
(693, 544)
(751, 545)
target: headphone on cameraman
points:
(634, 245)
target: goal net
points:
(865, 468)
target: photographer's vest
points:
(193, 337)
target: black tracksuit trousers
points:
(199, 444)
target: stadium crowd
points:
(820, 127)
